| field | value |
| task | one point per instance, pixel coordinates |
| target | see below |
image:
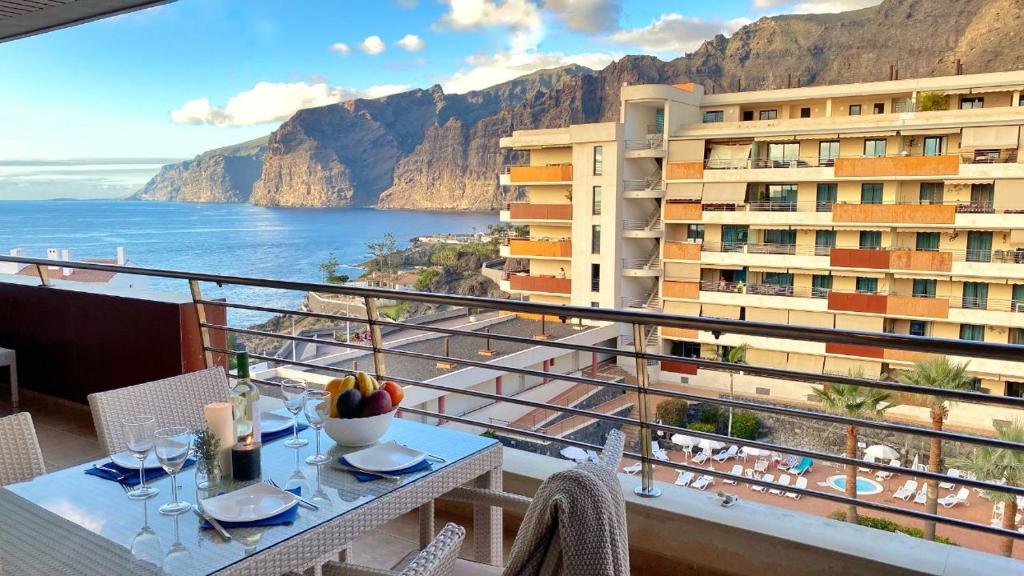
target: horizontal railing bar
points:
(790, 332)
(290, 337)
(283, 311)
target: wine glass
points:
(178, 559)
(145, 545)
(139, 436)
(172, 448)
(316, 412)
(294, 400)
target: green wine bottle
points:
(245, 397)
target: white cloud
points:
(587, 15)
(676, 33)
(490, 70)
(521, 17)
(272, 102)
(340, 48)
(817, 6)
(411, 43)
(372, 45)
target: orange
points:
(396, 392)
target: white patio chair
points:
(766, 478)
(868, 459)
(701, 457)
(761, 466)
(783, 482)
(20, 456)
(175, 401)
(801, 482)
(887, 474)
(683, 478)
(439, 558)
(726, 454)
(922, 495)
(657, 451)
(703, 482)
(906, 491)
(954, 499)
(737, 470)
(633, 469)
(952, 473)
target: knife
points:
(213, 522)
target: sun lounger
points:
(633, 468)
(761, 465)
(801, 482)
(766, 478)
(703, 482)
(737, 470)
(783, 482)
(726, 454)
(684, 478)
(922, 495)
(954, 499)
(657, 452)
(869, 460)
(952, 473)
(804, 465)
(701, 457)
(906, 491)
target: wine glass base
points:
(296, 442)
(175, 508)
(318, 459)
(143, 493)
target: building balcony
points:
(637, 267)
(679, 334)
(682, 289)
(857, 302)
(522, 247)
(889, 304)
(888, 166)
(682, 212)
(876, 259)
(643, 188)
(526, 175)
(685, 170)
(895, 213)
(549, 284)
(681, 250)
(528, 212)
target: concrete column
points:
(828, 108)
(497, 386)
(440, 409)
(593, 363)
(1016, 98)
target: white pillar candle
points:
(220, 420)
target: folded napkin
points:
(286, 517)
(271, 436)
(130, 476)
(367, 477)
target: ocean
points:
(233, 239)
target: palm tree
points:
(1000, 464)
(853, 401)
(735, 355)
(937, 372)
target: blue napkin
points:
(271, 436)
(286, 517)
(363, 477)
(129, 476)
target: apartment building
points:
(887, 207)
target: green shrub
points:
(711, 415)
(673, 412)
(932, 101)
(745, 425)
(888, 526)
(426, 279)
(701, 427)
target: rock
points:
(222, 175)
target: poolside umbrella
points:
(710, 445)
(574, 453)
(682, 440)
(881, 452)
(754, 451)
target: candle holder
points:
(245, 462)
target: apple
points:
(375, 404)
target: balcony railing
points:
(651, 142)
(539, 283)
(530, 211)
(387, 357)
(519, 174)
(548, 248)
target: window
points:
(824, 241)
(931, 193)
(782, 241)
(695, 232)
(595, 304)
(659, 121)
(595, 240)
(1015, 389)
(979, 246)
(973, 332)
(821, 285)
(968, 102)
(918, 328)
(879, 108)
(982, 197)
(1017, 302)
(748, 115)
(870, 239)
(734, 238)
(598, 160)
(767, 114)
(933, 145)
(827, 193)
(596, 203)
(927, 241)
(871, 193)
(874, 147)
(784, 154)
(595, 277)
(714, 116)
(782, 197)
(867, 285)
(781, 280)
(1016, 336)
(854, 109)
(924, 288)
(805, 112)
(975, 295)
(828, 151)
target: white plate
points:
(386, 457)
(271, 422)
(129, 461)
(254, 502)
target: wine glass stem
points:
(142, 475)
(174, 488)
(295, 427)
(318, 442)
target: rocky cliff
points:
(424, 149)
(222, 175)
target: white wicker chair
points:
(437, 559)
(20, 457)
(175, 401)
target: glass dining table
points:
(69, 522)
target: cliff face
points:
(424, 149)
(221, 175)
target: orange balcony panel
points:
(685, 333)
(857, 258)
(863, 212)
(679, 367)
(854, 350)
(551, 249)
(552, 173)
(918, 307)
(527, 211)
(906, 356)
(898, 213)
(925, 213)
(921, 260)
(677, 289)
(682, 251)
(551, 284)
(683, 211)
(898, 166)
(684, 171)
(847, 302)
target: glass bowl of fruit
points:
(361, 409)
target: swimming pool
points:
(865, 486)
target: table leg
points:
(426, 513)
(14, 385)
(487, 525)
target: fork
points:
(302, 500)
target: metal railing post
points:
(372, 317)
(204, 332)
(44, 274)
(646, 487)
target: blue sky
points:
(182, 78)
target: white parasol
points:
(574, 453)
(881, 452)
(710, 445)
